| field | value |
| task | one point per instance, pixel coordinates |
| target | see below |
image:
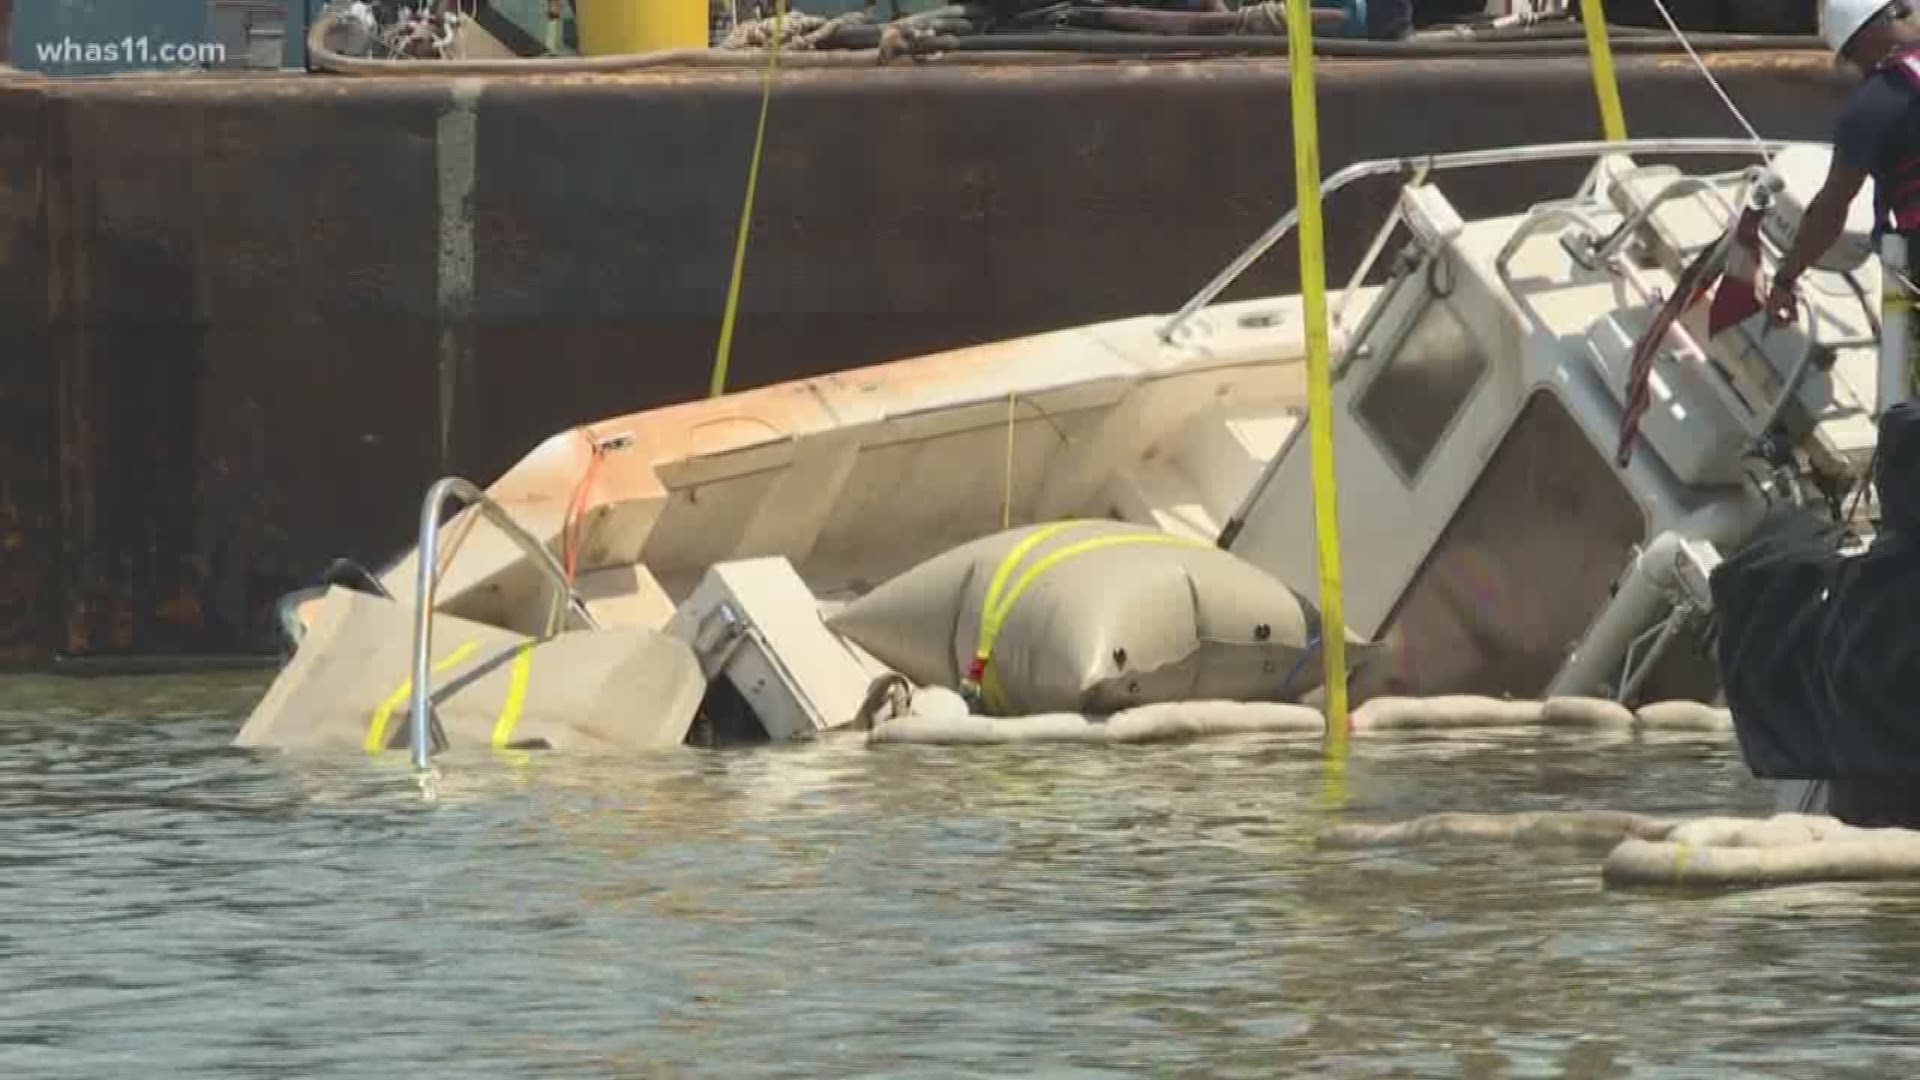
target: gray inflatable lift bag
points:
(1093, 616)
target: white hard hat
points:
(1841, 19)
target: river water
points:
(170, 907)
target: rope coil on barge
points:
(968, 34)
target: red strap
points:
(1905, 192)
(1905, 62)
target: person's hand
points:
(1783, 305)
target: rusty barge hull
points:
(247, 321)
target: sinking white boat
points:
(630, 570)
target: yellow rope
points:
(1606, 86)
(725, 351)
(1313, 296)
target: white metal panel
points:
(799, 676)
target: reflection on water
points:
(172, 907)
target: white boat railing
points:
(1421, 166)
(1679, 189)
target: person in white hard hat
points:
(1878, 136)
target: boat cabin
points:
(1483, 519)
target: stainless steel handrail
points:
(1465, 159)
(1681, 188)
(1372, 256)
(1538, 222)
(427, 553)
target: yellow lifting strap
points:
(1313, 299)
(1606, 86)
(1895, 300)
(516, 696)
(510, 710)
(724, 353)
(1000, 600)
(376, 740)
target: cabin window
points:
(1526, 561)
(1420, 386)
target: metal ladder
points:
(427, 583)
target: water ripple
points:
(169, 906)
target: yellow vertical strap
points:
(376, 740)
(516, 697)
(994, 616)
(1313, 297)
(725, 351)
(1606, 86)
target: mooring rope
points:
(723, 354)
(1720, 91)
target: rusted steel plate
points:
(29, 533)
(256, 317)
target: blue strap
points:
(1313, 646)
